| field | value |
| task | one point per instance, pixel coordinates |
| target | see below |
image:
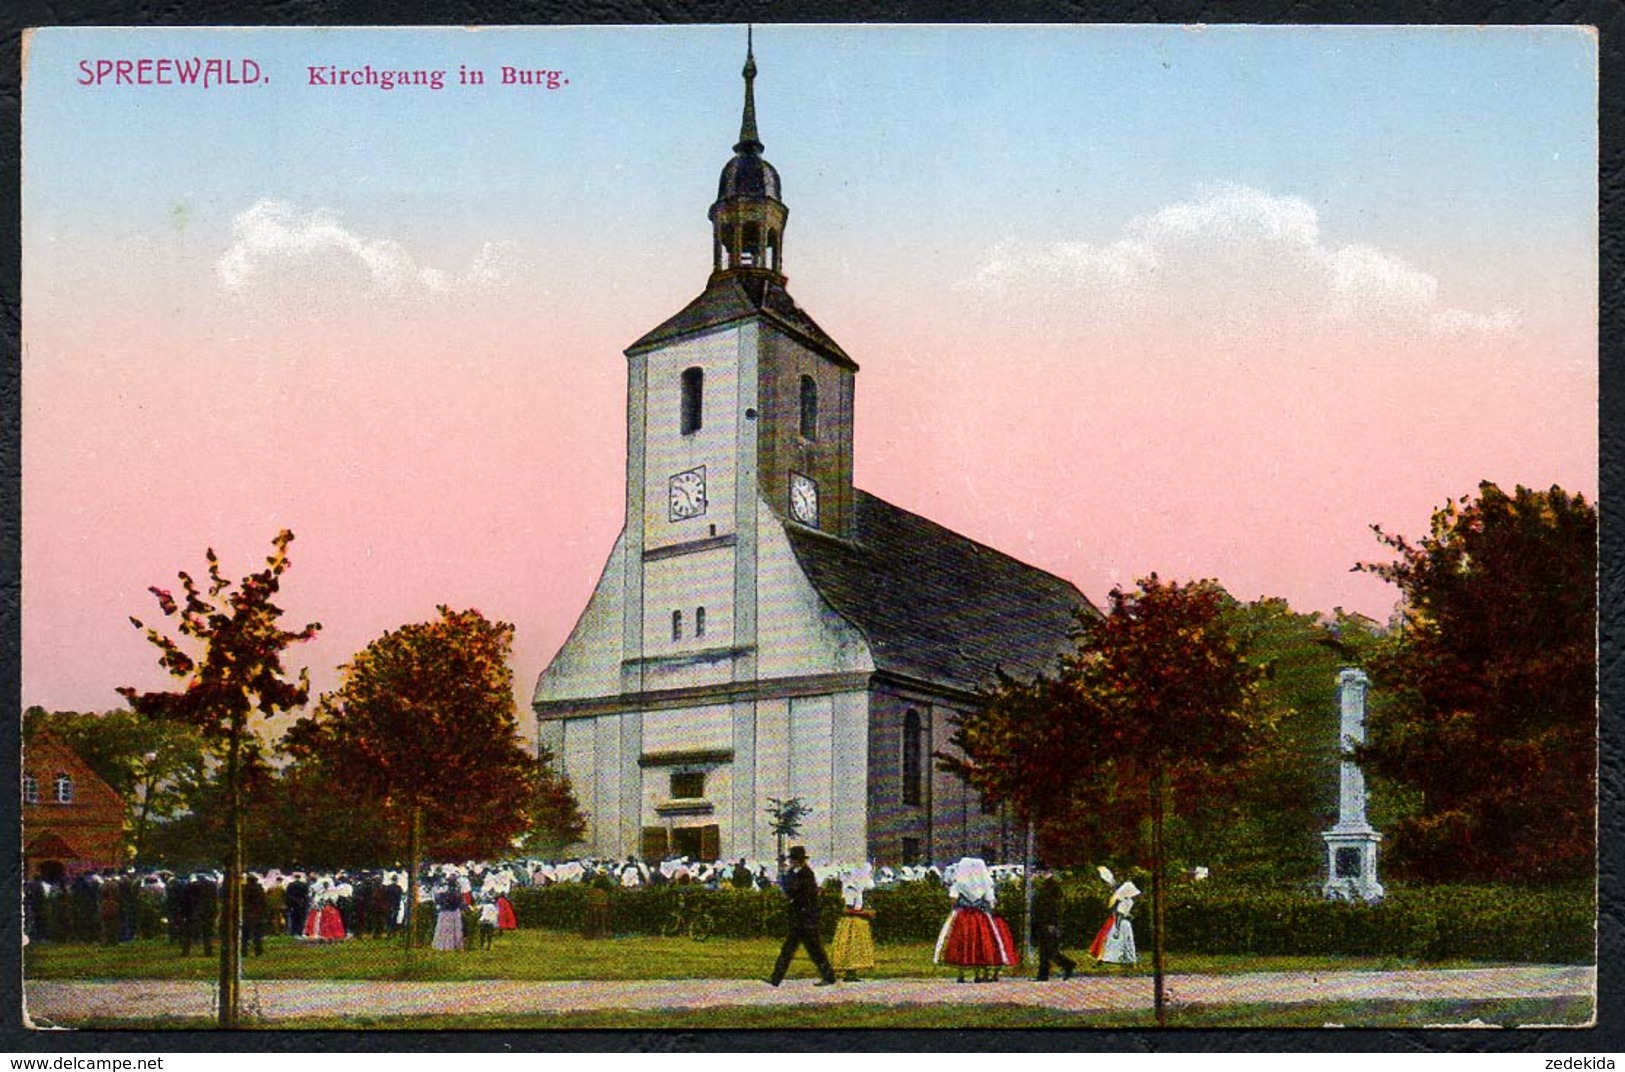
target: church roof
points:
(729, 298)
(937, 606)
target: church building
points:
(764, 629)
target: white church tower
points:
(763, 629)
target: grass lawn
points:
(556, 955)
(1365, 1014)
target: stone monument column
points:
(1351, 844)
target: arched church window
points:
(809, 408)
(677, 625)
(911, 757)
(64, 789)
(693, 400)
(699, 621)
(773, 249)
(30, 789)
(750, 245)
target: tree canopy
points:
(1493, 713)
(423, 720)
(556, 820)
(239, 667)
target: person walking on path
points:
(800, 885)
(1047, 902)
(974, 935)
(854, 947)
(1114, 944)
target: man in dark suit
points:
(801, 886)
(253, 915)
(202, 896)
(296, 902)
(1047, 900)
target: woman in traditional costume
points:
(506, 919)
(854, 946)
(1114, 942)
(448, 924)
(323, 922)
(973, 935)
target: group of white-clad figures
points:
(975, 937)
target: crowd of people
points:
(471, 906)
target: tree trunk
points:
(141, 824)
(1027, 889)
(232, 901)
(414, 849)
(1158, 790)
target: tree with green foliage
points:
(423, 725)
(1493, 682)
(1265, 824)
(308, 817)
(784, 819)
(556, 821)
(229, 653)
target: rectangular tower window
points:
(677, 625)
(699, 621)
(911, 851)
(693, 415)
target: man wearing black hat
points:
(801, 886)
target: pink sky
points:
(1227, 381)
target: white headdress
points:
(972, 881)
(854, 882)
(1127, 891)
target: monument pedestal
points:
(1351, 865)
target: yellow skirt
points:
(854, 945)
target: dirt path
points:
(53, 1002)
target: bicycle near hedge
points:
(691, 916)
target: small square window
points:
(687, 785)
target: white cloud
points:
(1233, 254)
(273, 237)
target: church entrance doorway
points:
(697, 842)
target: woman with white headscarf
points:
(1114, 943)
(854, 946)
(974, 936)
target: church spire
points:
(747, 220)
(749, 142)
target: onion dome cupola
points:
(747, 220)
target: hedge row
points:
(1502, 923)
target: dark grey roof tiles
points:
(736, 297)
(937, 606)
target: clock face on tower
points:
(804, 499)
(686, 491)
